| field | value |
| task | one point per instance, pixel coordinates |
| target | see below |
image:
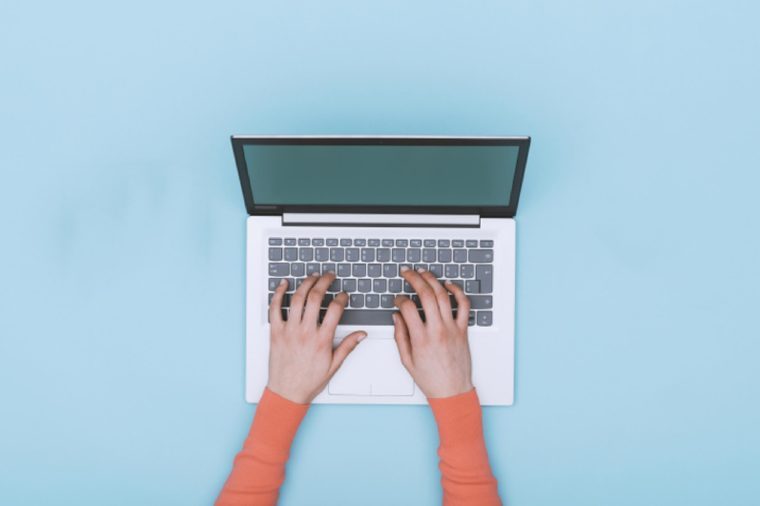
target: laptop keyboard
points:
(367, 270)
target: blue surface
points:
(121, 285)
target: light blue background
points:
(121, 264)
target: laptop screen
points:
(429, 174)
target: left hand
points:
(301, 355)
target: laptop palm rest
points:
(373, 368)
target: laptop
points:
(363, 207)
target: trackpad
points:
(373, 368)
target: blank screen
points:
(381, 174)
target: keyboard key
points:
(421, 266)
(344, 270)
(485, 318)
(367, 317)
(359, 270)
(311, 268)
(352, 254)
(331, 242)
(484, 273)
(368, 255)
(413, 254)
(390, 270)
(460, 255)
(374, 270)
(336, 254)
(290, 241)
(379, 285)
(408, 288)
(394, 285)
(291, 254)
(328, 267)
(429, 243)
(275, 241)
(415, 243)
(457, 243)
(387, 300)
(472, 286)
(398, 255)
(481, 301)
(334, 286)
(383, 255)
(345, 242)
(402, 243)
(451, 270)
(428, 255)
(480, 256)
(373, 243)
(356, 300)
(486, 244)
(317, 242)
(458, 282)
(444, 243)
(297, 269)
(304, 241)
(275, 254)
(387, 243)
(364, 285)
(401, 266)
(466, 271)
(349, 285)
(471, 319)
(273, 283)
(471, 243)
(298, 282)
(444, 255)
(437, 270)
(321, 254)
(372, 300)
(306, 254)
(360, 242)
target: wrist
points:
(290, 394)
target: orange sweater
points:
(259, 468)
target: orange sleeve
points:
(259, 468)
(465, 472)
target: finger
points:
(315, 296)
(299, 298)
(334, 312)
(344, 348)
(463, 304)
(425, 293)
(411, 317)
(441, 295)
(275, 307)
(401, 333)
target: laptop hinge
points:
(382, 220)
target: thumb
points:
(344, 348)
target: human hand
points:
(301, 355)
(435, 352)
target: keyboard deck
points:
(367, 269)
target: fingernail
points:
(404, 268)
(447, 282)
(420, 270)
(315, 274)
(283, 282)
(361, 337)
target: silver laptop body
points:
(363, 206)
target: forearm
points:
(466, 475)
(259, 468)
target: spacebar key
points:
(367, 317)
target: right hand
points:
(435, 352)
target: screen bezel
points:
(508, 211)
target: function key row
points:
(397, 255)
(386, 243)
